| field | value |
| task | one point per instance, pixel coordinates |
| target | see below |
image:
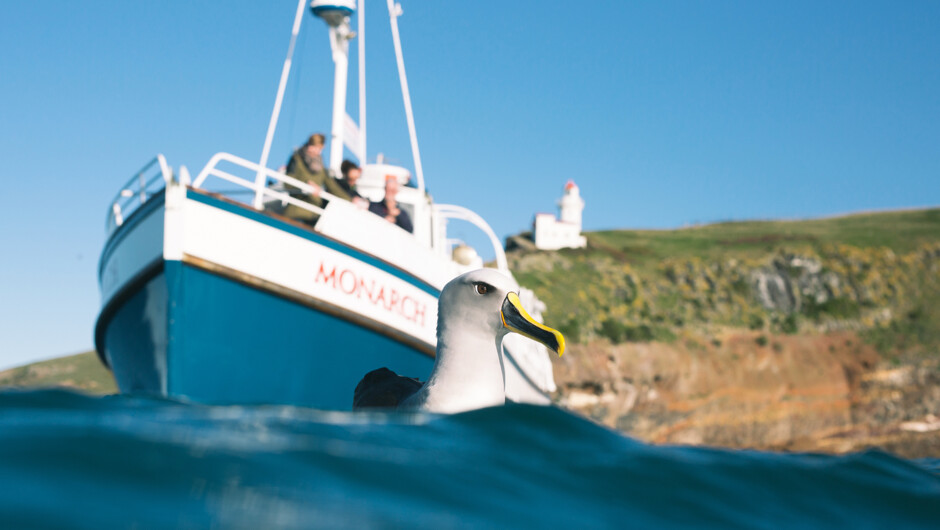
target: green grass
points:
(640, 285)
(835, 307)
(917, 331)
(83, 372)
(901, 232)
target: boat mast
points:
(336, 15)
(394, 11)
(361, 26)
(285, 72)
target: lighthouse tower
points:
(552, 233)
(571, 205)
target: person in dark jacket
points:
(306, 165)
(351, 173)
(388, 207)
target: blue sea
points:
(73, 461)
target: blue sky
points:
(665, 113)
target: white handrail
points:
(164, 168)
(448, 211)
(260, 188)
(452, 211)
(120, 205)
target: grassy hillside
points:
(81, 372)
(819, 335)
(901, 232)
(878, 273)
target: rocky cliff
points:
(815, 335)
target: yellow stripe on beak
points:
(517, 319)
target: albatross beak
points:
(515, 318)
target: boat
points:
(210, 295)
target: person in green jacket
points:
(306, 165)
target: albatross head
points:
(476, 310)
(484, 301)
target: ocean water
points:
(72, 461)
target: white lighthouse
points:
(571, 205)
(552, 233)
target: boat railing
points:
(452, 211)
(260, 189)
(146, 183)
(263, 192)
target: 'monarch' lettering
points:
(348, 282)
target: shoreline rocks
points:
(828, 393)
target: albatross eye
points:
(481, 288)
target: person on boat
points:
(351, 173)
(306, 165)
(389, 207)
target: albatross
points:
(475, 311)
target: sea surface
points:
(73, 461)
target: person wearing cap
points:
(306, 165)
(388, 207)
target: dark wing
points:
(383, 388)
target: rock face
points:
(830, 393)
(789, 280)
(762, 335)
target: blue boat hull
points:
(210, 300)
(190, 333)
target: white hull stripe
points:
(276, 256)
